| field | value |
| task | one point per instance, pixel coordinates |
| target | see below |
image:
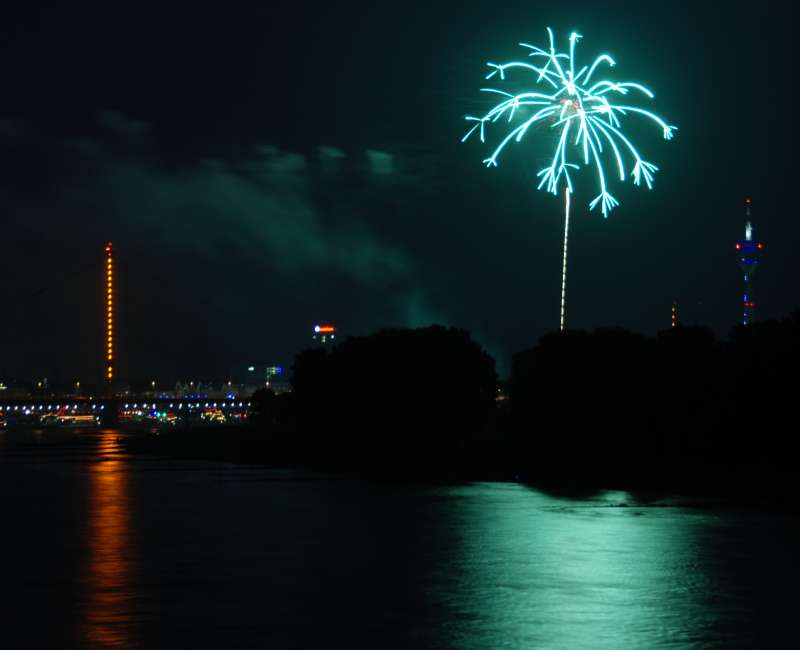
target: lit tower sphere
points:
(109, 311)
(559, 94)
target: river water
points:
(101, 549)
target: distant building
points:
(191, 389)
(14, 392)
(276, 380)
(266, 376)
(324, 333)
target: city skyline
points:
(282, 364)
(243, 213)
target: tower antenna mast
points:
(748, 251)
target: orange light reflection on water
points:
(108, 616)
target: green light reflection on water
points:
(539, 571)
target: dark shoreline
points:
(704, 483)
(757, 486)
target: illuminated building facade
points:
(324, 333)
(748, 252)
(109, 321)
(674, 318)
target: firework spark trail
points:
(572, 103)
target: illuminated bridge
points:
(113, 408)
(106, 411)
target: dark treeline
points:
(678, 410)
(609, 407)
(402, 402)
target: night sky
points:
(262, 167)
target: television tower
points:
(748, 251)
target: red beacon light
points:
(738, 247)
(761, 245)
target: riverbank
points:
(747, 485)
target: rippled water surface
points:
(100, 549)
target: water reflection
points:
(198, 555)
(536, 570)
(108, 615)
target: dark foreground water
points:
(99, 549)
